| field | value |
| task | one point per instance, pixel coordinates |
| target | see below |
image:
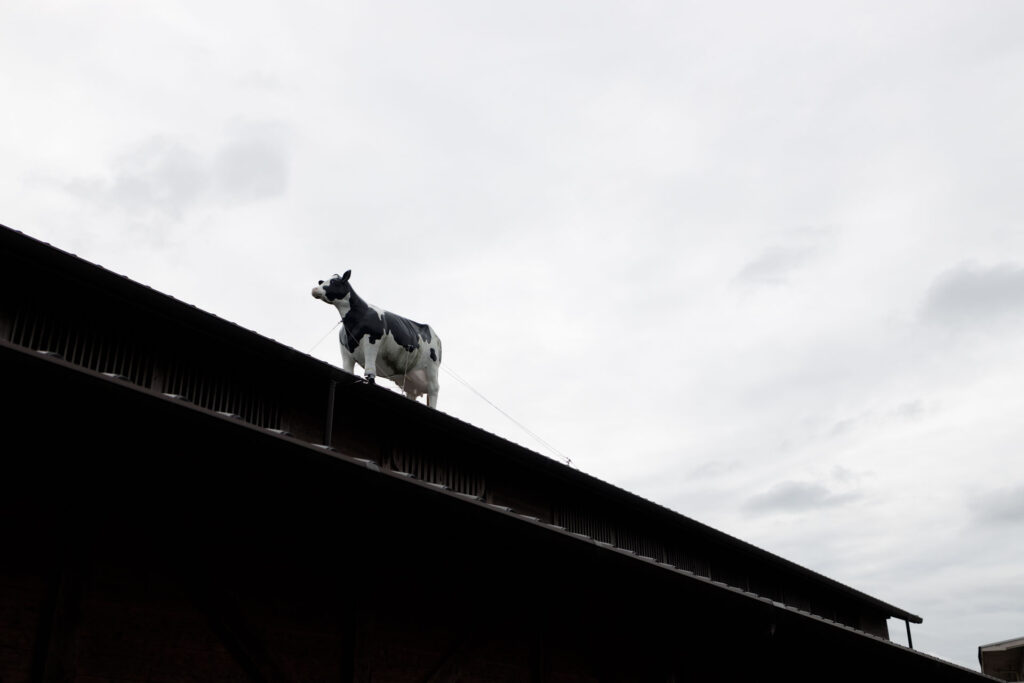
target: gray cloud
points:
(908, 411)
(1005, 596)
(796, 496)
(845, 475)
(1002, 506)
(160, 174)
(911, 410)
(254, 169)
(845, 426)
(971, 295)
(775, 265)
(163, 175)
(714, 468)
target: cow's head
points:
(333, 289)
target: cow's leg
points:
(348, 361)
(433, 386)
(370, 360)
(433, 369)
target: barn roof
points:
(23, 256)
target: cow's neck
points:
(351, 302)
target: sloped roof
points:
(398, 406)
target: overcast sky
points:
(762, 263)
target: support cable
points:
(462, 381)
(567, 459)
(313, 348)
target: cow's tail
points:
(438, 349)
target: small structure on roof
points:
(1003, 660)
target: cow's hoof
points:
(370, 379)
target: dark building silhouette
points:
(185, 500)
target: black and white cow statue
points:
(386, 345)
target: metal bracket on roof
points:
(329, 420)
(368, 464)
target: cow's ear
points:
(344, 278)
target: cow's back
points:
(409, 334)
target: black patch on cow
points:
(360, 321)
(406, 332)
(433, 356)
(337, 288)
